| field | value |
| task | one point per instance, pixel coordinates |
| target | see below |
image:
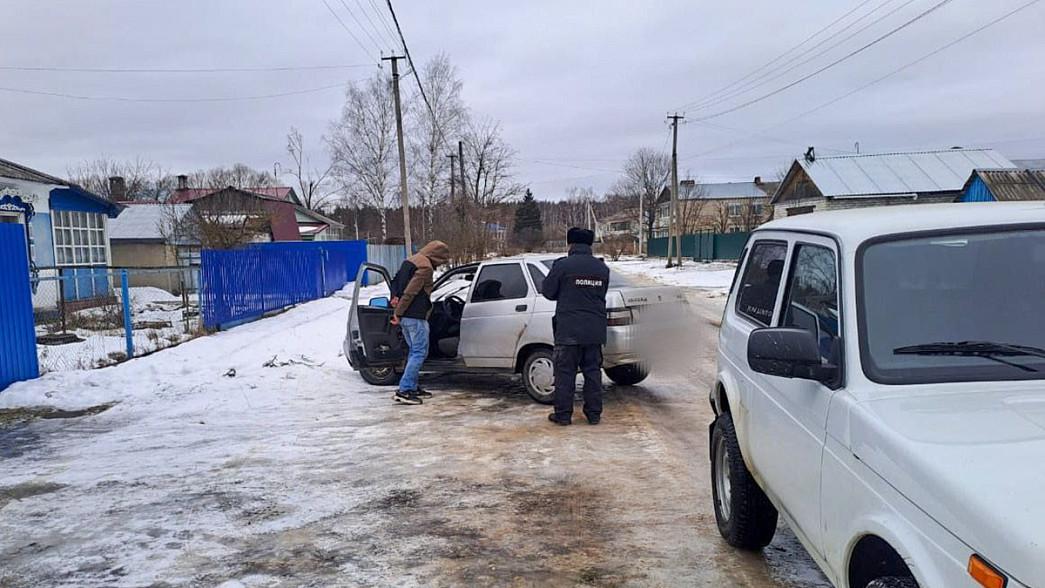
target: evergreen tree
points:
(529, 228)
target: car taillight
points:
(619, 317)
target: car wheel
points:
(893, 582)
(539, 376)
(746, 518)
(627, 375)
(386, 376)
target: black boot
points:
(560, 420)
(408, 397)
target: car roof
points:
(858, 225)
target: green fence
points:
(706, 245)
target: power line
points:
(377, 29)
(126, 99)
(365, 30)
(852, 54)
(758, 70)
(383, 20)
(759, 83)
(347, 30)
(178, 70)
(417, 78)
(876, 80)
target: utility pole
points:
(453, 174)
(404, 194)
(674, 239)
(460, 160)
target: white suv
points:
(881, 385)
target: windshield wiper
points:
(985, 349)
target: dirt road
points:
(301, 475)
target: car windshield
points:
(952, 308)
(616, 280)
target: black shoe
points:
(422, 393)
(408, 397)
(562, 421)
(594, 419)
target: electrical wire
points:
(365, 30)
(377, 29)
(384, 22)
(769, 63)
(178, 70)
(900, 69)
(763, 82)
(831, 65)
(365, 49)
(126, 99)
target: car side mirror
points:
(788, 352)
(380, 302)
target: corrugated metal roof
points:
(899, 173)
(1014, 185)
(724, 191)
(191, 194)
(145, 221)
(10, 169)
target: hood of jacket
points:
(437, 252)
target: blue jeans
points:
(415, 331)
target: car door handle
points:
(520, 308)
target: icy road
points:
(256, 457)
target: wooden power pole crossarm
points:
(404, 194)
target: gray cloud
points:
(579, 84)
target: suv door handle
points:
(520, 308)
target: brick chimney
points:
(758, 180)
(183, 182)
(117, 189)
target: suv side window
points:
(758, 289)
(500, 282)
(812, 296)
(536, 276)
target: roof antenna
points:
(811, 155)
(857, 145)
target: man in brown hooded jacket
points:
(412, 298)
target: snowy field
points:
(715, 276)
(256, 457)
(159, 322)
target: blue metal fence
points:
(17, 334)
(243, 284)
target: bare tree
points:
(144, 179)
(643, 178)
(223, 220)
(721, 220)
(691, 206)
(429, 134)
(240, 176)
(363, 147)
(312, 182)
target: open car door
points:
(372, 340)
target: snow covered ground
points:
(702, 276)
(256, 458)
(159, 322)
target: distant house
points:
(817, 183)
(145, 236)
(282, 203)
(622, 224)
(67, 230)
(1004, 185)
(729, 207)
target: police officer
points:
(578, 284)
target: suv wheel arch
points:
(872, 558)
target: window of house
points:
(79, 238)
(761, 282)
(621, 226)
(735, 210)
(500, 282)
(734, 230)
(812, 296)
(756, 210)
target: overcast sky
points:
(576, 84)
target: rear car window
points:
(500, 282)
(761, 282)
(536, 276)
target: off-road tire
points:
(381, 376)
(751, 520)
(893, 582)
(627, 375)
(537, 394)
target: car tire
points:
(388, 376)
(538, 374)
(746, 518)
(893, 582)
(627, 375)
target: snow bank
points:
(702, 276)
